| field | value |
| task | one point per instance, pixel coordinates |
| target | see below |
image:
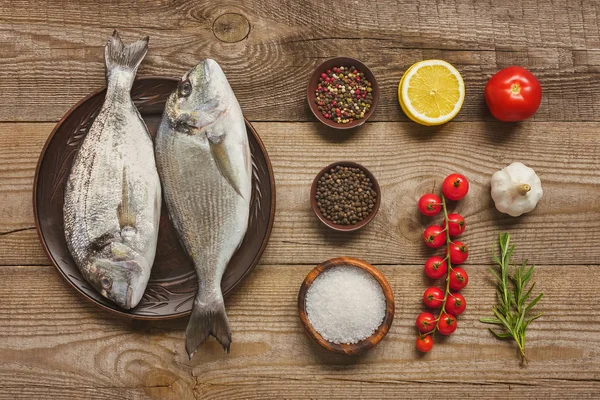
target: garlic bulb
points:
(516, 189)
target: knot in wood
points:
(231, 27)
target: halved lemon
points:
(431, 92)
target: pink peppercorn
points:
(333, 87)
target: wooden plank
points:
(41, 392)
(20, 147)
(408, 161)
(55, 343)
(48, 61)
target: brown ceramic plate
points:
(173, 283)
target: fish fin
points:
(124, 57)
(208, 318)
(218, 150)
(125, 214)
(100, 242)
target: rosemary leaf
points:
(507, 335)
(513, 295)
(534, 302)
(491, 321)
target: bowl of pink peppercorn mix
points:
(342, 93)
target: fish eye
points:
(106, 282)
(185, 88)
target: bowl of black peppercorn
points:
(345, 196)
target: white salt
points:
(345, 304)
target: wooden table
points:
(54, 344)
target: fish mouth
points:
(134, 295)
(129, 299)
(207, 65)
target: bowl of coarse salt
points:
(346, 305)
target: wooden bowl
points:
(330, 224)
(365, 344)
(339, 62)
(173, 283)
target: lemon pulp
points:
(431, 92)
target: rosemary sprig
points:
(513, 312)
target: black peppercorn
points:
(350, 199)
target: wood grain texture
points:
(408, 161)
(56, 345)
(51, 51)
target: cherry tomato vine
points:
(450, 303)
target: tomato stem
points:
(447, 259)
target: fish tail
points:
(208, 318)
(124, 58)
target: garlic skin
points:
(516, 189)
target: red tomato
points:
(459, 252)
(430, 204)
(456, 304)
(455, 186)
(435, 267)
(433, 297)
(425, 344)
(513, 94)
(447, 324)
(425, 322)
(458, 278)
(456, 224)
(434, 236)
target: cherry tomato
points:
(455, 186)
(456, 304)
(458, 278)
(513, 94)
(425, 322)
(425, 344)
(433, 297)
(430, 204)
(435, 267)
(447, 324)
(459, 252)
(434, 236)
(456, 224)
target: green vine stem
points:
(447, 292)
(448, 263)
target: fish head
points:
(119, 273)
(202, 96)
